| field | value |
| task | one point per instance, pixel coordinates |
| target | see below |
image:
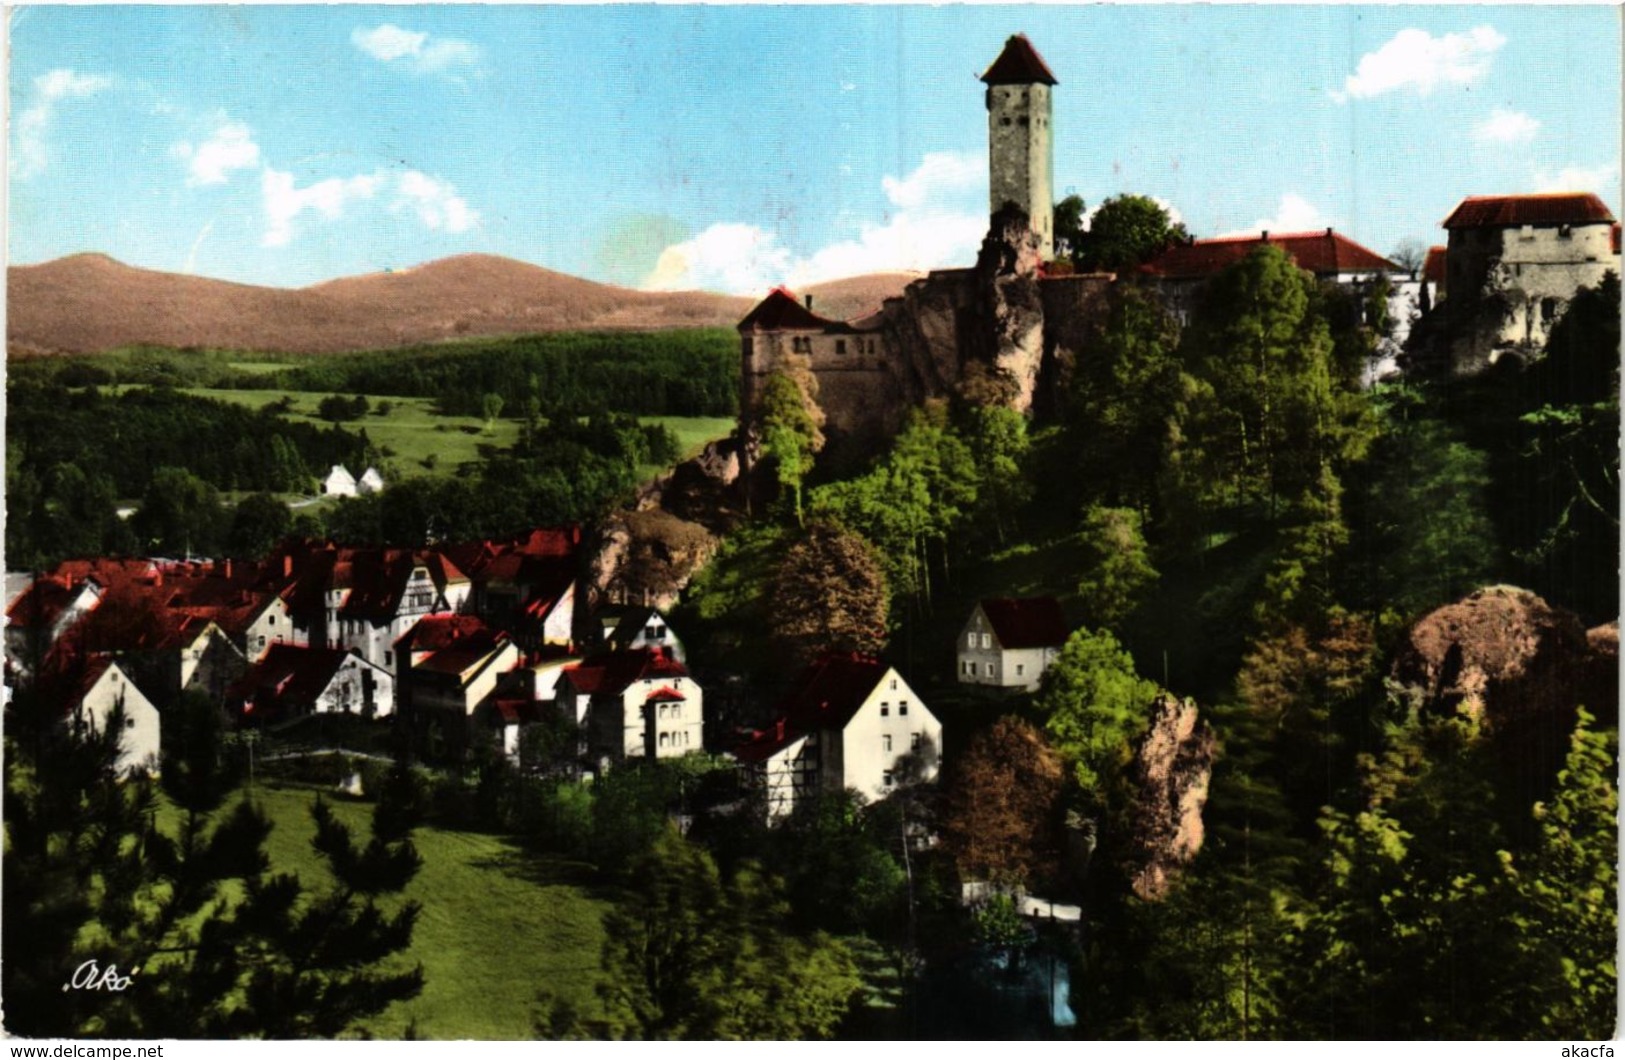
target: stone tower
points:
(1019, 136)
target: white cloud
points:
(938, 219)
(416, 51)
(1293, 213)
(1416, 59)
(284, 201)
(231, 147)
(32, 152)
(434, 202)
(1506, 127)
(1602, 180)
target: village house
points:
(848, 721)
(292, 682)
(369, 482)
(88, 689)
(526, 585)
(56, 601)
(339, 482)
(1512, 264)
(460, 677)
(634, 704)
(1010, 643)
(628, 627)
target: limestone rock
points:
(1502, 655)
(1172, 768)
(648, 557)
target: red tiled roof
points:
(1502, 211)
(1019, 64)
(289, 677)
(829, 691)
(761, 745)
(433, 632)
(612, 672)
(1322, 253)
(67, 677)
(782, 311)
(1035, 622)
(517, 711)
(1433, 266)
(461, 656)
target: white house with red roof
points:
(1009, 643)
(848, 721)
(90, 689)
(634, 704)
(291, 682)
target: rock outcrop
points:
(1502, 655)
(1171, 770)
(1007, 271)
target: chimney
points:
(226, 565)
(1266, 235)
(287, 565)
(1328, 231)
(809, 302)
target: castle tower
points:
(1019, 135)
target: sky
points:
(732, 148)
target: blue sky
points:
(732, 148)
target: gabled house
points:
(369, 482)
(634, 704)
(168, 652)
(848, 721)
(55, 602)
(626, 627)
(1010, 643)
(291, 682)
(339, 482)
(526, 585)
(460, 677)
(225, 593)
(88, 689)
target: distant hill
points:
(90, 302)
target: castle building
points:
(1019, 138)
(1511, 267)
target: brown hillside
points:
(89, 302)
(857, 295)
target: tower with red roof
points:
(1019, 137)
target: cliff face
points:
(1012, 328)
(1172, 768)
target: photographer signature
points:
(91, 976)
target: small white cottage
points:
(339, 482)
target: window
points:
(1565, 231)
(1548, 310)
(987, 640)
(663, 739)
(885, 742)
(389, 658)
(914, 742)
(970, 639)
(840, 346)
(129, 723)
(990, 669)
(885, 710)
(886, 778)
(902, 710)
(1021, 669)
(894, 684)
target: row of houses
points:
(473, 642)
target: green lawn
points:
(414, 431)
(498, 922)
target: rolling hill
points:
(90, 302)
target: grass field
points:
(413, 431)
(498, 924)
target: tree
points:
(1001, 804)
(830, 595)
(688, 956)
(1125, 231)
(1095, 707)
(1410, 255)
(180, 514)
(1274, 411)
(998, 442)
(1068, 220)
(490, 408)
(790, 423)
(260, 521)
(1117, 565)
